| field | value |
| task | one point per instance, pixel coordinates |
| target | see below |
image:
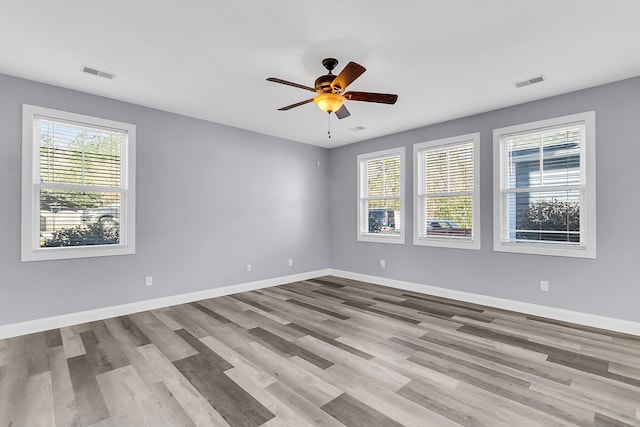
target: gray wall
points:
(608, 285)
(210, 199)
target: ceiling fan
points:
(330, 89)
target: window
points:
(78, 185)
(381, 199)
(446, 192)
(544, 195)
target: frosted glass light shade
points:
(329, 102)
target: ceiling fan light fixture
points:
(329, 90)
(329, 102)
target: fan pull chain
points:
(329, 125)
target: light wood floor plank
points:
(35, 407)
(386, 401)
(273, 327)
(284, 415)
(174, 347)
(103, 350)
(302, 382)
(72, 342)
(352, 365)
(353, 412)
(180, 316)
(129, 341)
(193, 403)
(88, 397)
(241, 366)
(308, 411)
(66, 413)
(620, 409)
(164, 317)
(205, 371)
(131, 403)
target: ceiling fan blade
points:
(381, 98)
(288, 83)
(297, 104)
(351, 72)
(342, 112)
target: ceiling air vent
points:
(98, 73)
(530, 81)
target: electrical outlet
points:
(148, 280)
(248, 267)
(290, 262)
(383, 263)
(544, 286)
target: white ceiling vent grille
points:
(530, 81)
(98, 73)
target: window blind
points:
(543, 190)
(381, 194)
(80, 185)
(445, 191)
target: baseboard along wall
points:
(585, 319)
(47, 323)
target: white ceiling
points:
(209, 58)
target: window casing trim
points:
(444, 143)
(587, 246)
(30, 204)
(364, 236)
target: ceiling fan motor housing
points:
(323, 84)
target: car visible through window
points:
(445, 227)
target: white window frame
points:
(30, 249)
(419, 194)
(363, 234)
(587, 246)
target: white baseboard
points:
(45, 324)
(602, 322)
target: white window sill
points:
(473, 244)
(570, 251)
(381, 238)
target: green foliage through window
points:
(552, 220)
(92, 234)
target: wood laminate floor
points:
(329, 352)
